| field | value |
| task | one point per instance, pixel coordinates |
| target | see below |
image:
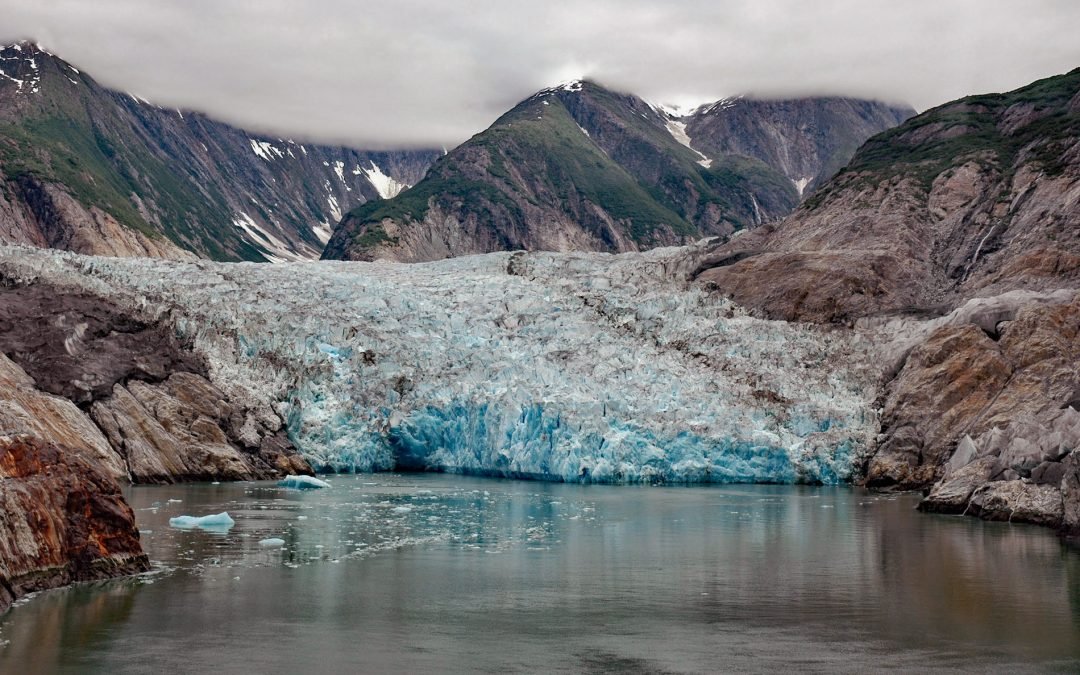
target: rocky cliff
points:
(976, 197)
(807, 140)
(580, 167)
(87, 169)
(956, 234)
(62, 519)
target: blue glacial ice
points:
(302, 483)
(575, 367)
(216, 522)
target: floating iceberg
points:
(218, 521)
(302, 483)
(573, 367)
(272, 542)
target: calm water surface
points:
(420, 573)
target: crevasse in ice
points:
(583, 367)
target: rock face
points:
(974, 198)
(154, 416)
(807, 139)
(184, 429)
(62, 519)
(580, 167)
(24, 410)
(994, 422)
(86, 169)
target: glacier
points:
(555, 366)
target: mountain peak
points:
(19, 66)
(568, 86)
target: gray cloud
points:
(422, 72)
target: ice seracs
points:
(575, 367)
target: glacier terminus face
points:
(573, 367)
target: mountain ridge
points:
(575, 166)
(95, 170)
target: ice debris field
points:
(575, 367)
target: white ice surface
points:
(585, 367)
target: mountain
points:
(973, 198)
(580, 167)
(955, 238)
(91, 170)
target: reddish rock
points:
(62, 520)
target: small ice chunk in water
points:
(217, 521)
(272, 542)
(402, 509)
(302, 483)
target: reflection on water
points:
(443, 573)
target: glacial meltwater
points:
(439, 573)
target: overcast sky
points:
(434, 72)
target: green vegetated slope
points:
(581, 158)
(975, 197)
(178, 178)
(583, 167)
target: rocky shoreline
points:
(62, 520)
(90, 398)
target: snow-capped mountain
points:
(88, 169)
(581, 167)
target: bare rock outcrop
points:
(971, 199)
(183, 429)
(126, 394)
(992, 424)
(62, 520)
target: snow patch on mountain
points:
(275, 249)
(576, 367)
(386, 186)
(801, 184)
(13, 68)
(332, 202)
(322, 232)
(677, 129)
(266, 150)
(722, 104)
